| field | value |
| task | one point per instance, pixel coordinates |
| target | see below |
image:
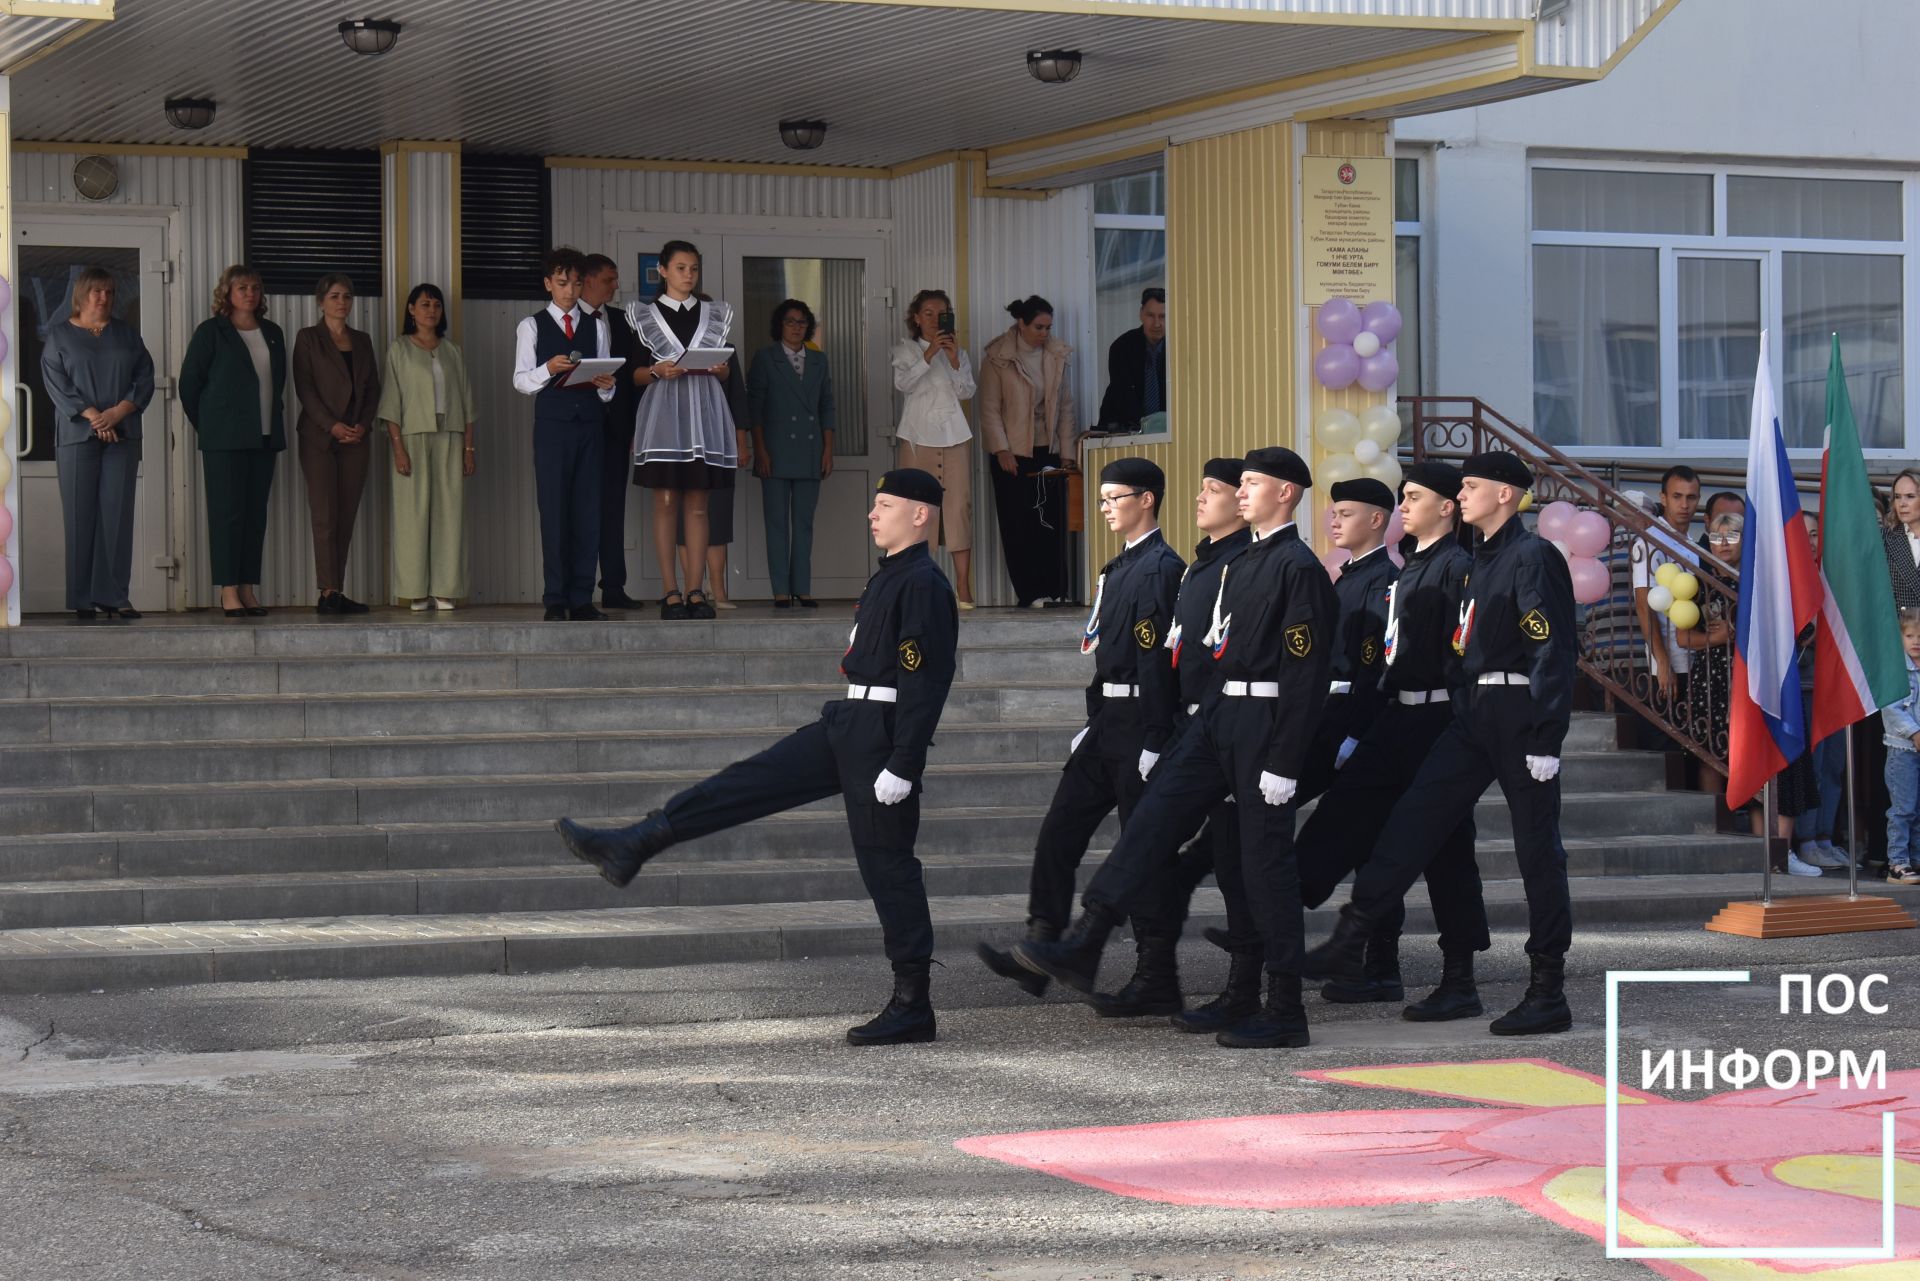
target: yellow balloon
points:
(1526, 501)
(1335, 468)
(1337, 430)
(1684, 614)
(6, 468)
(1665, 575)
(6, 419)
(1684, 586)
(1385, 469)
(1381, 425)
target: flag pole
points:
(1853, 826)
(1767, 820)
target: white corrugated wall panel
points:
(1017, 248)
(430, 198)
(503, 521)
(1588, 32)
(582, 198)
(1474, 10)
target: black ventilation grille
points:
(314, 212)
(506, 221)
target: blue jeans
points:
(1830, 773)
(1903, 814)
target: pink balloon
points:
(3, 346)
(1591, 581)
(1338, 321)
(1588, 534)
(6, 292)
(1380, 370)
(1382, 320)
(1336, 367)
(1396, 527)
(6, 527)
(1554, 519)
(1393, 554)
(6, 575)
(1335, 560)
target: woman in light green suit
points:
(790, 404)
(427, 404)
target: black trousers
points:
(1353, 811)
(1484, 743)
(566, 479)
(1032, 513)
(616, 458)
(1167, 907)
(239, 483)
(841, 753)
(1098, 778)
(1221, 754)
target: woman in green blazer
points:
(427, 405)
(790, 405)
(232, 385)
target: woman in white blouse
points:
(933, 434)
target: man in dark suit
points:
(1137, 368)
(599, 283)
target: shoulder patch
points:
(1299, 639)
(910, 656)
(1143, 631)
(1370, 651)
(1534, 625)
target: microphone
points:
(574, 356)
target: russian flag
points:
(1780, 593)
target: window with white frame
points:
(1408, 231)
(1129, 252)
(1652, 284)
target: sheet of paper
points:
(704, 357)
(588, 370)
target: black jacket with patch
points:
(1519, 618)
(1279, 612)
(906, 633)
(1136, 594)
(1360, 641)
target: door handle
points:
(26, 415)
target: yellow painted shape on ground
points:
(1523, 1084)
(1853, 1176)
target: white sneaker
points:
(1796, 866)
(1838, 854)
(1903, 876)
(421, 606)
(1814, 855)
(441, 602)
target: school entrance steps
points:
(184, 799)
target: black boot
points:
(1074, 959)
(1544, 1007)
(1382, 982)
(1280, 1023)
(619, 852)
(1344, 954)
(908, 1018)
(1455, 998)
(1239, 1002)
(1001, 962)
(1155, 985)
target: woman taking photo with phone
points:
(685, 442)
(935, 376)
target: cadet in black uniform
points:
(1515, 637)
(1270, 629)
(1132, 702)
(1421, 680)
(1361, 509)
(870, 748)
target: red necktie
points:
(568, 318)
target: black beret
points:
(913, 485)
(1281, 464)
(1141, 473)
(1501, 467)
(1442, 478)
(1364, 489)
(1225, 470)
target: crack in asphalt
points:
(37, 1044)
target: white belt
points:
(874, 693)
(1504, 678)
(1251, 689)
(1193, 709)
(1421, 697)
(1120, 691)
(1340, 687)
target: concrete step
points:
(93, 765)
(554, 882)
(33, 961)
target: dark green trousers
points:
(238, 483)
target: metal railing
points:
(1690, 710)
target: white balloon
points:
(1560, 546)
(1333, 469)
(1366, 344)
(1386, 470)
(1365, 451)
(1381, 425)
(1659, 599)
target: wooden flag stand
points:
(1801, 915)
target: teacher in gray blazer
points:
(790, 408)
(100, 378)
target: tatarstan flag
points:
(1858, 665)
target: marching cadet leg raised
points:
(1269, 632)
(1515, 638)
(1132, 702)
(869, 747)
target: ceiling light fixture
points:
(190, 113)
(1053, 66)
(369, 35)
(803, 135)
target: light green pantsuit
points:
(429, 519)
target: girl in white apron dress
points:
(685, 444)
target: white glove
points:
(1147, 761)
(890, 789)
(1277, 790)
(1346, 750)
(1074, 746)
(1543, 768)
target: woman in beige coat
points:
(1027, 424)
(427, 404)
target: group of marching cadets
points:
(1225, 693)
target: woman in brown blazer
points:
(1028, 426)
(338, 385)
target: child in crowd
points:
(1902, 722)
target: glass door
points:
(49, 256)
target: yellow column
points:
(9, 332)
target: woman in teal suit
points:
(232, 385)
(790, 405)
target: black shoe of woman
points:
(673, 606)
(807, 602)
(702, 607)
(84, 615)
